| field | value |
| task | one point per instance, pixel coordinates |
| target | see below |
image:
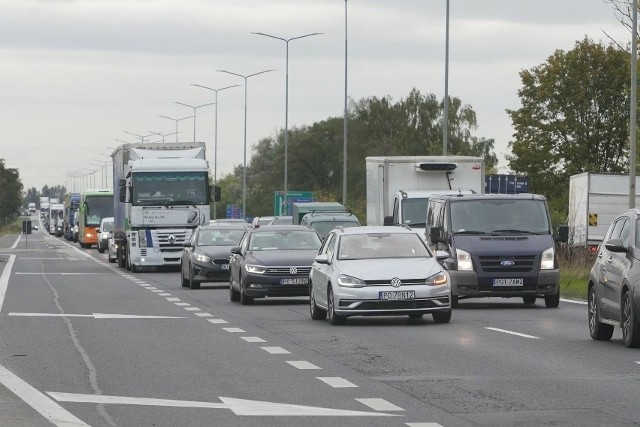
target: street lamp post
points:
(176, 120)
(215, 141)
(244, 163)
(286, 107)
(162, 135)
(142, 137)
(344, 121)
(195, 107)
(103, 170)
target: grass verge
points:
(573, 282)
(13, 228)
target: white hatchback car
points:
(377, 271)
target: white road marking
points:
(62, 274)
(241, 407)
(253, 339)
(62, 258)
(512, 333)
(302, 364)
(192, 308)
(94, 315)
(173, 299)
(4, 279)
(204, 314)
(151, 288)
(423, 424)
(574, 301)
(217, 321)
(182, 304)
(157, 290)
(49, 409)
(15, 244)
(275, 350)
(165, 295)
(337, 382)
(379, 404)
(234, 329)
(638, 362)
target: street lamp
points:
(244, 163)
(176, 120)
(103, 171)
(286, 106)
(344, 120)
(142, 137)
(162, 135)
(195, 107)
(215, 143)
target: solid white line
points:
(94, 315)
(173, 299)
(337, 382)
(204, 314)
(253, 339)
(512, 333)
(217, 321)
(121, 400)
(275, 350)
(49, 315)
(574, 301)
(4, 278)
(302, 364)
(62, 274)
(379, 404)
(53, 412)
(15, 244)
(233, 329)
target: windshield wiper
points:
(417, 224)
(470, 232)
(180, 202)
(515, 231)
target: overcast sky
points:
(75, 74)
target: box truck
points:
(398, 188)
(162, 195)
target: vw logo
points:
(395, 282)
(293, 270)
(507, 263)
(172, 239)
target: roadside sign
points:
(292, 197)
(26, 227)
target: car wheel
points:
(233, 294)
(552, 301)
(134, 269)
(316, 312)
(183, 280)
(630, 324)
(454, 301)
(101, 250)
(334, 318)
(597, 330)
(193, 284)
(416, 315)
(529, 299)
(442, 316)
(244, 298)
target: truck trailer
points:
(162, 195)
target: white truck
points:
(399, 187)
(56, 218)
(595, 199)
(161, 195)
(31, 207)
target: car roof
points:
(492, 196)
(281, 228)
(225, 226)
(367, 229)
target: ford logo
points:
(395, 282)
(507, 263)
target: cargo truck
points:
(32, 208)
(162, 195)
(595, 199)
(56, 215)
(71, 205)
(399, 187)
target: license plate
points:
(296, 281)
(397, 295)
(224, 267)
(508, 282)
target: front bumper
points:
(210, 272)
(469, 284)
(366, 301)
(259, 286)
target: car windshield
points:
(107, 226)
(414, 211)
(284, 240)
(324, 227)
(382, 245)
(220, 237)
(493, 216)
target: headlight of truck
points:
(202, 258)
(437, 279)
(255, 269)
(464, 260)
(351, 282)
(547, 260)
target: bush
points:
(575, 265)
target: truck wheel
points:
(120, 256)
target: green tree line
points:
(10, 192)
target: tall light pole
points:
(103, 171)
(195, 107)
(142, 137)
(445, 121)
(633, 140)
(215, 140)
(162, 135)
(244, 163)
(286, 107)
(176, 120)
(344, 122)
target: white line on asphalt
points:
(253, 339)
(573, 301)
(275, 350)
(512, 333)
(379, 404)
(337, 382)
(204, 314)
(95, 315)
(15, 244)
(638, 362)
(234, 329)
(423, 425)
(157, 291)
(4, 279)
(62, 258)
(217, 321)
(62, 274)
(165, 295)
(182, 304)
(192, 308)
(53, 412)
(302, 364)
(173, 299)
(151, 288)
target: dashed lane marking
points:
(192, 308)
(337, 382)
(379, 404)
(216, 321)
(253, 339)
(157, 290)
(504, 331)
(204, 314)
(182, 304)
(165, 295)
(275, 350)
(302, 364)
(173, 299)
(234, 329)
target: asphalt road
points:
(85, 343)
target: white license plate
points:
(224, 266)
(397, 295)
(508, 282)
(296, 281)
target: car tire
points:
(599, 331)
(416, 315)
(111, 260)
(244, 298)
(454, 301)
(193, 284)
(552, 301)
(630, 324)
(101, 250)
(134, 269)
(183, 281)
(529, 299)
(234, 295)
(334, 318)
(442, 316)
(316, 312)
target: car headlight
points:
(464, 260)
(255, 269)
(202, 258)
(547, 260)
(351, 282)
(437, 279)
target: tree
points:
(10, 191)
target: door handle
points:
(610, 259)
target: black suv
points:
(614, 297)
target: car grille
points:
(523, 264)
(286, 271)
(405, 282)
(395, 305)
(221, 261)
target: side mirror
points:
(563, 233)
(123, 193)
(122, 183)
(322, 259)
(388, 220)
(442, 255)
(615, 245)
(236, 250)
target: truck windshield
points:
(499, 217)
(167, 188)
(414, 212)
(97, 207)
